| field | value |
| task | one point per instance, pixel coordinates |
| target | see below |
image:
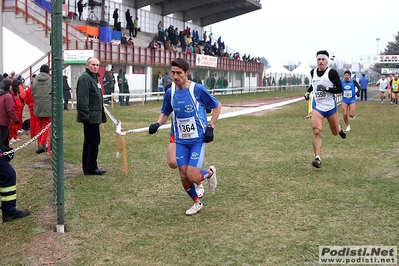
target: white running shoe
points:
(12, 141)
(20, 131)
(353, 118)
(212, 181)
(200, 190)
(196, 208)
(348, 128)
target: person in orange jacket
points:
(29, 101)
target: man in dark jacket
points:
(90, 112)
(41, 92)
(80, 9)
(109, 84)
(123, 86)
(115, 16)
(8, 177)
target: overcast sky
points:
(290, 31)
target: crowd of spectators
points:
(189, 41)
(17, 90)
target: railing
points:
(34, 12)
(35, 67)
(111, 53)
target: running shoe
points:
(348, 128)
(212, 181)
(342, 133)
(197, 207)
(317, 162)
(200, 190)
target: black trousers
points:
(363, 92)
(90, 147)
(4, 133)
(8, 191)
(122, 100)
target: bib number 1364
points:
(187, 128)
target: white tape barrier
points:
(110, 116)
(222, 116)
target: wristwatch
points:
(211, 125)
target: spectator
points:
(364, 83)
(160, 84)
(109, 84)
(213, 82)
(130, 26)
(123, 86)
(124, 39)
(80, 9)
(18, 107)
(41, 91)
(30, 103)
(167, 45)
(136, 27)
(225, 82)
(115, 16)
(7, 114)
(128, 18)
(153, 44)
(66, 91)
(90, 112)
(8, 176)
(118, 26)
(197, 49)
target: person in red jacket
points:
(7, 113)
(18, 111)
(29, 101)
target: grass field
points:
(271, 206)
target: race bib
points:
(348, 94)
(187, 128)
(395, 88)
(320, 95)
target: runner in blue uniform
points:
(188, 101)
(349, 94)
(172, 153)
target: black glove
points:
(307, 95)
(10, 155)
(208, 111)
(358, 94)
(153, 128)
(321, 88)
(208, 135)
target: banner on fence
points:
(77, 56)
(207, 61)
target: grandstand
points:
(140, 63)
